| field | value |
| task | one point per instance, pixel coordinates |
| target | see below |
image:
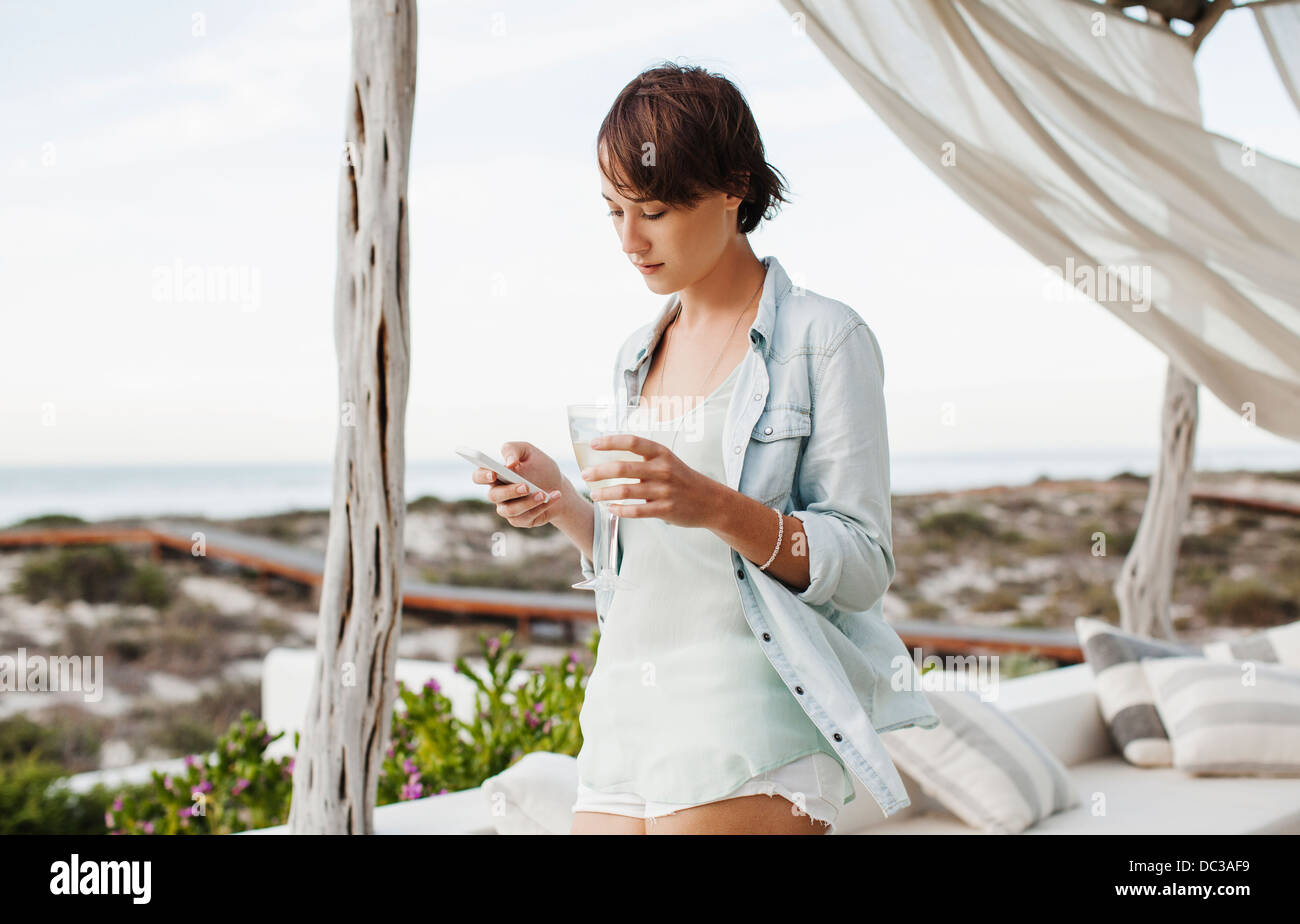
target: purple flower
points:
(240, 785)
(493, 645)
(546, 729)
(117, 804)
(412, 791)
(537, 707)
(410, 766)
(204, 786)
(189, 760)
(185, 812)
(108, 819)
(432, 684)
(389, 751)
(573, 658)
(532, 720)
(148, 827)
(443, 791)
(167, 781)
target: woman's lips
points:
(649, 268)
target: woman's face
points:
(681, 244)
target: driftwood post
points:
(349, 718)
(1145, 583)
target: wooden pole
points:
(1145, 583)
(349, 717)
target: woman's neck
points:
(724, 291)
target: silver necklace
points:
(663, 369)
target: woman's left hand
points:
(674, 492)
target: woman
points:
(696, 717)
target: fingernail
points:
(555, 496)
(510, 460)
(586, 473)
(522, 489)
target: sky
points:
(148, 138)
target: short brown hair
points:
(703, 139)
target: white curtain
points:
(1077, 132)
(1279, 23)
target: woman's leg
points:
(756, 814)
(606, 823)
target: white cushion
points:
(983, 765)
(1229, 718)
(534, 795)
(1118, 798)
(1124, 696)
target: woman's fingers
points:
(512, 509)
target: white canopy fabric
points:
(1279, 23)
(1077, 132)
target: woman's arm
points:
(576, 518)
(751, 529)
(838, 550)
(844, 477)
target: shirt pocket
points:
(773, 454)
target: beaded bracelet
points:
(779, 536)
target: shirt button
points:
(735, 449)
(767, 429)
(740, 573)
(799, 690)
(766, 637)
(758, 397)
(837, 736)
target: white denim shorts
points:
(815, 778)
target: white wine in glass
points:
(586, 422)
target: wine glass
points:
(587, 421)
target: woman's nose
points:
(633, 240)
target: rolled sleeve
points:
(588, 570)
(844, 478)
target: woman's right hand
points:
(518, 508)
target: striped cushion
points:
(1124, 695)
(1227, 718)
(1280, 644)
(982, 765)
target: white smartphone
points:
(486, 461)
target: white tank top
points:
(682, 705)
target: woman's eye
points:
(654, 217)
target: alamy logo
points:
(102, 877)
(57, 673)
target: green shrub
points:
(238, 788)
(1250, 602)
(432, 751)
(95, 573)
(234, 788)
(958, 524)
(49, 520)
(31, 802)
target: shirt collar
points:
(775, 286)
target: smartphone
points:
(486, 461)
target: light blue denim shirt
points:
(805, 433)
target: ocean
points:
(96, 492)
